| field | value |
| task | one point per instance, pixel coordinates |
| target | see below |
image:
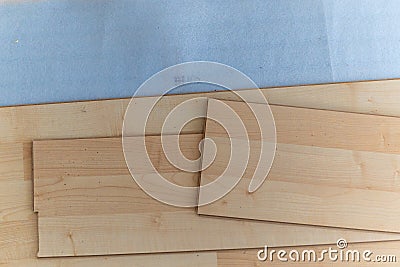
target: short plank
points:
(11, 157)
(14, 205)
(315, 205)
(105, 154)
(323, 128)
(82, 231)
(174, 231)
(323, 170)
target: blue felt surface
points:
(53, 51)
(364, 39)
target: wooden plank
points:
(370, 97)
(314, 204)
(104, 153)
(319, 166)
(103, 118)
(19, 246)
(149, 227)
(99, 195)
(11, 156)
(18, 240)
(18, 223)
(322, 128)
(173, 231)
(199, 259)
(15, 206)
(90, 175)
(323, 170)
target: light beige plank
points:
(173, 231)
(317, 166)
(314, 205)
(27, 161)
(318, 181)
(337, 129)
(105, 154)
(303, 126)
(11, 157)
(63, 176)
(18, 240)
(14, 205)
(18, 223)
(81, 231)
(85, 119)
(100, 195)
(336, 167)
(370, 97)
(200, 259)
(103, 118)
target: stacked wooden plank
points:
(331, 169)
(88, 204)
(19, 126)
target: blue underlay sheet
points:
(67, 50)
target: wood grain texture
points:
(319, 166)
(103, 118)
(79, 224)
(322, 128)
(200, 259)
(324, 172)
(90, 176)
(18, 240)
(11, 156)
(14, 206)
(174, 231)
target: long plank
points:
(324, 169)
(103, 118)
(200, 259)
(77, 223)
